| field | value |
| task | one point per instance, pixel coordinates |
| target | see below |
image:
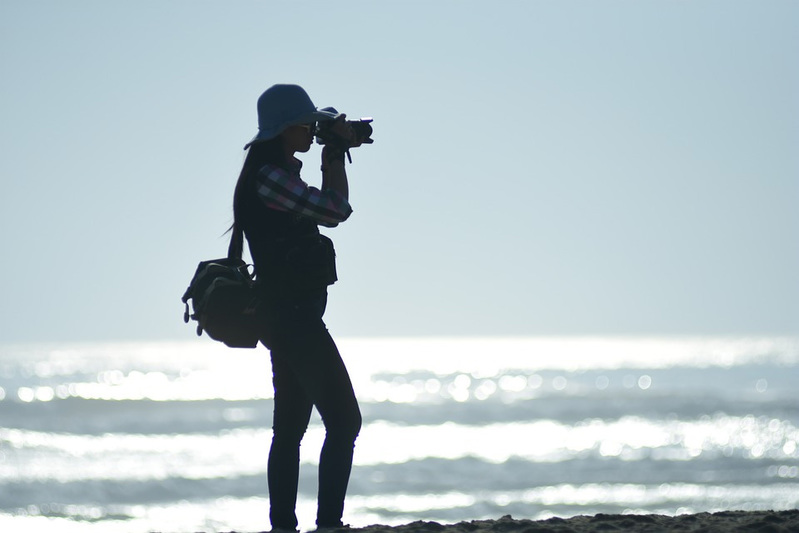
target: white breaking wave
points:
(241, 452)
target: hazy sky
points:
(561, 167)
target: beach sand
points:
(726, 521)
(721, 522)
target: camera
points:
(361, 127)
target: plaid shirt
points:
(285, 191)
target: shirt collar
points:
(295, 164)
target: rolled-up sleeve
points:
(284, 191)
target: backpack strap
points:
(236, 246)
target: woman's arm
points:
(334, 174)
(281, 190)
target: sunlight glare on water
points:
(453, 429)
(489, 357)
(209, 370)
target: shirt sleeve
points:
(284, 191)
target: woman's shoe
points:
(331, 529)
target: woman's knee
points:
(346, 426)
(356, 423)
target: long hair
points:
(262, 153)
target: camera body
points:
(361, 127)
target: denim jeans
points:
(308, 371)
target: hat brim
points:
(314, 116)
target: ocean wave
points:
(62, 457)
(132, 436)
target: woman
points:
(279, 215)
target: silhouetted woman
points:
(280, 214)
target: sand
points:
(721, 522)
(727, 521)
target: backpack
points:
(224, 299)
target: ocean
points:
(174, 436)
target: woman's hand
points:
(334, 175)
(334, 153)
(344, 130)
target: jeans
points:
(308, 371)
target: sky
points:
(539, 167)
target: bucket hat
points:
(284, 105)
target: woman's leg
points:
(317, 366)
(302, 347)
(331, 391)
(291, 415)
